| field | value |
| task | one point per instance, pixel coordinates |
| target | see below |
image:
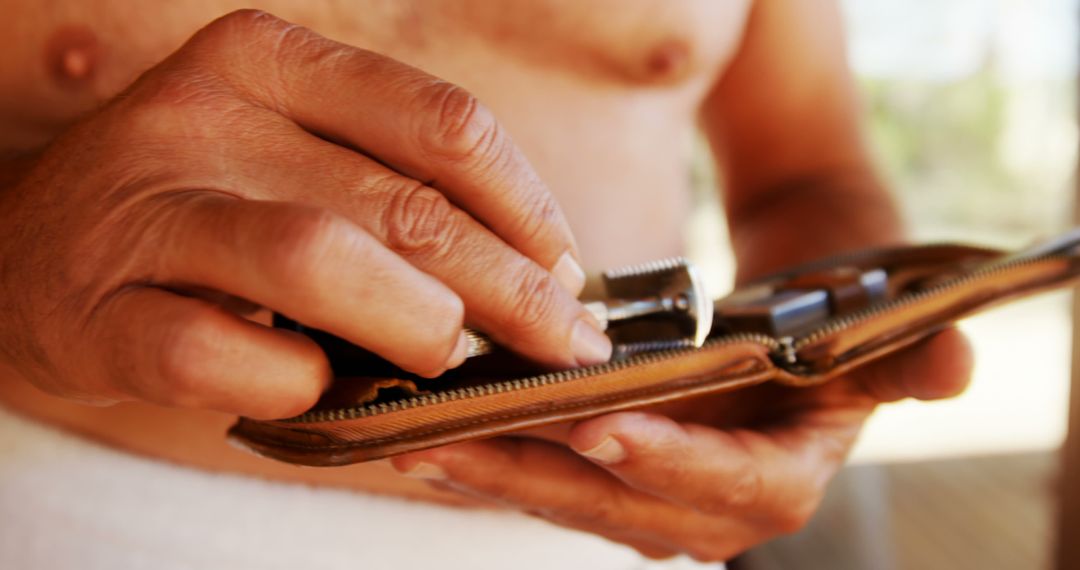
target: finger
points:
(549, 481)
(316, 268)
(425, 128)
(774, 477)
(160, 347)
(505, 294)
(939, 367)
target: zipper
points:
(838, 324)
(784, 351)
(377, 408)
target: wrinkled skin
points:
(172, 200)
(261, 166)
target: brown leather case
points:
(386, 413)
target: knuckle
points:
(741, 490)
(258, 50)
(458, 127)
(420, 222)
(538, 215)
(239, 28)
(533, 301)
(746, 487)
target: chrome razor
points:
(652, 306)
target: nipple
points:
(71, 55)
(668, 60)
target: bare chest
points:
(599, 94)
(638, 42)
(632, 42)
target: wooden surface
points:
(981, 513)
(1067, 551)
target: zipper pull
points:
(787, 350)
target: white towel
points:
(66, 502)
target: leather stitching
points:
(418, 435)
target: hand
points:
(711, 477)
(266, 164)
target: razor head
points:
(673, 284)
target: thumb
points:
(936, 368)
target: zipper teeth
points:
(838, 324)
(785, 346)
(368, 410)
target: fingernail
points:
(461, 351)
(427, 471)
(569, 274)
(607, 451)
(590, 346)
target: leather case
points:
(374, 411)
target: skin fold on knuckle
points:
(420, 222)
(532, 302)
(539, 219)
(457, 128)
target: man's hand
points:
(264, 164)
(715, 476)
(729, 472)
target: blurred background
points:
(970, 107)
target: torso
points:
(601, 96)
